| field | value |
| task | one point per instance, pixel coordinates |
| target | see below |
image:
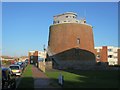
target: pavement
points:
(40, 79)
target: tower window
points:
(78, 40)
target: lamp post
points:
(44, 53)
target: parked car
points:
(8, 81)
(22, 65)
(27, 61)
(16, 69)
(25, 64)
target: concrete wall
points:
(45, 65)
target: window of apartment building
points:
(110, 56)
(78, 40)
(98, 56)
(109, 50)
(98, 50)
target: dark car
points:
(22, 65)
(27, 61)
(8, 81)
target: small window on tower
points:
(78, 40)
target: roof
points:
(15, 65)
(7, 57)
(65, 13)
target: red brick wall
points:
(35, 56)
(64, 37)
(103, 54)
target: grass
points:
(27, 80)
(87, 79)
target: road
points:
(18, 79)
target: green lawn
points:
(27, 80)
(87, 79)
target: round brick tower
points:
(71, 40)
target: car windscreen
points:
(14, 67)
(19, 63)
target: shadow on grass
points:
(88, 79)
(26, 83)
(95, 79)
(72, 79)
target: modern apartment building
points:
(108, 54)
(71, 41)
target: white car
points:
(16, 69)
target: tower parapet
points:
(68, 17)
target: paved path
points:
(40, 79)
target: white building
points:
(112, 54)
(40, 54)
(68, 17)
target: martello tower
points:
(71, 40)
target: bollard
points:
(60, 79)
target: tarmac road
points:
(18, 79)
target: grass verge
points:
(87, 79)
(27, 80)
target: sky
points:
(25, 25)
